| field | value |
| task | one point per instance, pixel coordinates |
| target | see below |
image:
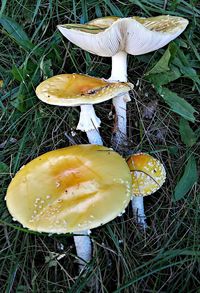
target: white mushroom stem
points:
(119, 67)
(89, 123)
(119, 73)
(138, 211)
(83, 249)
(121, 120)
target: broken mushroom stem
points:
(137, 203)
(90, 123)
(83, 246)
(119, 73)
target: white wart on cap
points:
(148, 174)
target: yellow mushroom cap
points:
(70, 189)
(148, 174)
(135, 35)
(79, 89)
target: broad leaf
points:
(188, 136)
(162, 79)
(163, 65)
(177, 104)
(184, 65)
(188, 179)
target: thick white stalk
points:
(138, 211)
(83, 249)
(94, 137)
(121, 120)
(119, 73)
(119, 67)
(89, 123)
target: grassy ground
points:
(165, 258)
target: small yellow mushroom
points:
(148, 175)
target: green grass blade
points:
(16, 32)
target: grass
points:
(165, 258)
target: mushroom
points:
(71, 190)
(84, 91)
(116, 37)
(148, 175)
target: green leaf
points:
(187, 71)
(188, 179)
(161, 79)
(19, 103)
(16, 32)
(163, 64)
(3, 168)
(188, 136)
(177, 104)
(18, 73)
(184, 65)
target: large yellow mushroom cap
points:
(71, 189)
(79, 89)
(148, 174)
